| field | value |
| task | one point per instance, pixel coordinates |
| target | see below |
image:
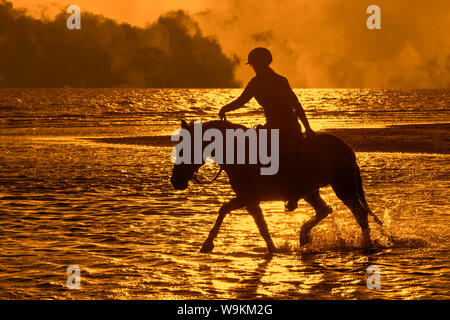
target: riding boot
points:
(291, 205)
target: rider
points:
(281, 108)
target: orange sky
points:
(133, 11)
(321, 43)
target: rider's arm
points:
(245, 97)
(302, 116)
(298, 108)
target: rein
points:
(207, 182)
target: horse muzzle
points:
(179, 185)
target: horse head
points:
(184, 171)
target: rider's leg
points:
(290, 155)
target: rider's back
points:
(274, 94)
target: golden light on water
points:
(115, 214)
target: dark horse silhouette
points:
(326, 160)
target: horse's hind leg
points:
(257, 215)
(322, 211)
(233, 204)
(361, 215)
(347, 189)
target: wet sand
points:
(417, 138)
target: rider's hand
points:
(309, 132)
(222, 113)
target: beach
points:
(414, 138)
(85, 181)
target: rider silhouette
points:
(281, 108)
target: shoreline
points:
(409, 138)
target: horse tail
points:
(362, 197)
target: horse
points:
(325, 160)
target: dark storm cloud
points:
(172, 52)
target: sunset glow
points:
(316, 43)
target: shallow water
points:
(110, 208)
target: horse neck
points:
(222, 126)
(233, 171)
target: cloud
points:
(325, 43)
(262, 37)
(171, 52)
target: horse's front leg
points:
(257, 215)
(233, 204)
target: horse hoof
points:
(290, 206)
(207, 247)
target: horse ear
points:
(184, 124)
